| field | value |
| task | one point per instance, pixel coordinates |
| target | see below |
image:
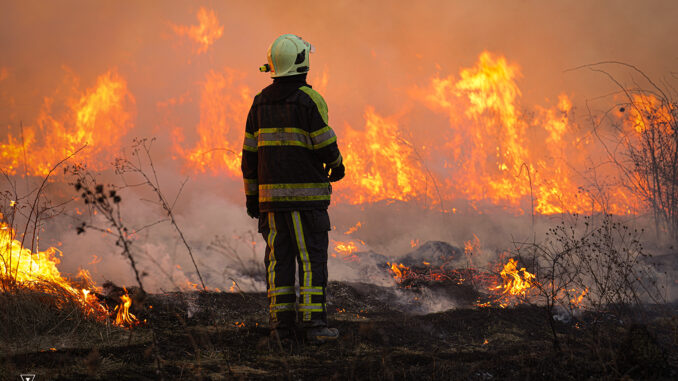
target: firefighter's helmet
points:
(288, 55)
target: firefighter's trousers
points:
(296, 238)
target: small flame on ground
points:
(124, 318)
(399, 271)
(517, 282)
(346, 250)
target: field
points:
(216, 336)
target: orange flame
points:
(576, 302)
(346, 250)
(491, 152)
(516, 282)
(99, 117)
(384, 163)
(20, 267)
(222, 117)
(123, 317)
(206, 33)
(399, 271)
(354, 228)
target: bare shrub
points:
(600, 266)
(248, 264)
(644, 143)
(141, 165)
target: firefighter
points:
(290, 156)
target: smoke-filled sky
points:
(372, 59)
(372, 51)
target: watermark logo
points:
(27, 377)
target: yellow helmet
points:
(288, 55)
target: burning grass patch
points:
(46, 310)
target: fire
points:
(223, 113)
(399, 271)
(576, 302)
(354, 228)
(498, 154)
(98, 118)
(206, 33)
(20, 268)
(346, 250)
(516, 282)
(123, 317)
(385, 163)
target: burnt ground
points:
(225, 336)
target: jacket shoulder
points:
(257, 98)
(314, 99)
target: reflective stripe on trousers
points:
(292, 241)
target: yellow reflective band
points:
(298, 192)
(336, 162)
(251, 187)
(282, 129)
(325, 143)
(320, 131)
(293, 186)
(294, 192)
(250, 143)
(280, 143)
(281, 307)
(311, 307)
(311, 289)
(284, 136)
(324, 138)
(281, 291)
(305, 261)
(271, 258)
(318, 100)
(294, 198)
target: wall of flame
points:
(433, 102)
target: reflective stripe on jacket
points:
(287, 144)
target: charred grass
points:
(225, 336)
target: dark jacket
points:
(287, 142)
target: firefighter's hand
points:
(253, 207)
(336, 174)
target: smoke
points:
(368, 54)
(373, 53)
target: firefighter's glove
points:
(253, 206)
(336, 174)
